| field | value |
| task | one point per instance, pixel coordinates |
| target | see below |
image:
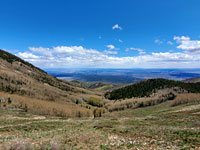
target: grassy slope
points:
(156, 127)
(18, 76)
(22, 78)
(43, 107)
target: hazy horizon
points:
(121, 76)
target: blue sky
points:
(102, 33)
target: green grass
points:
(155, 127)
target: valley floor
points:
(156, 127)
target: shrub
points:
(52, 145)
(95, 102)
(21, 144)
(18, 144)
(98, 112)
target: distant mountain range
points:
(25, 86)
(123, 76)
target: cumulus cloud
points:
(81, 57)
(176, 57)
(27, 55)
(110, 52)
(188, 45)
(62, 56)
(111, 47)
(117, 27)
(140, 51)
(41, 50)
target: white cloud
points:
(111, 47)
(41, 50)
(120, 41)
(110, 52)
(179, 39)
(80, 57)
(170, 43)
(140, 51)
(188, 45)
(157, 41)
(27, 55)
(176, 57)
(117, 27)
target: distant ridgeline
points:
(146, 88)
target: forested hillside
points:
(146, 88)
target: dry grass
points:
(156, 98)
(186, 98)
(17, 78)
(43, 107)
(135, 103)
(156, 127)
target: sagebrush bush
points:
(18, 144)
(52, 145)
(22, 144)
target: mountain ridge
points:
(147, 87)
(24, 79)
